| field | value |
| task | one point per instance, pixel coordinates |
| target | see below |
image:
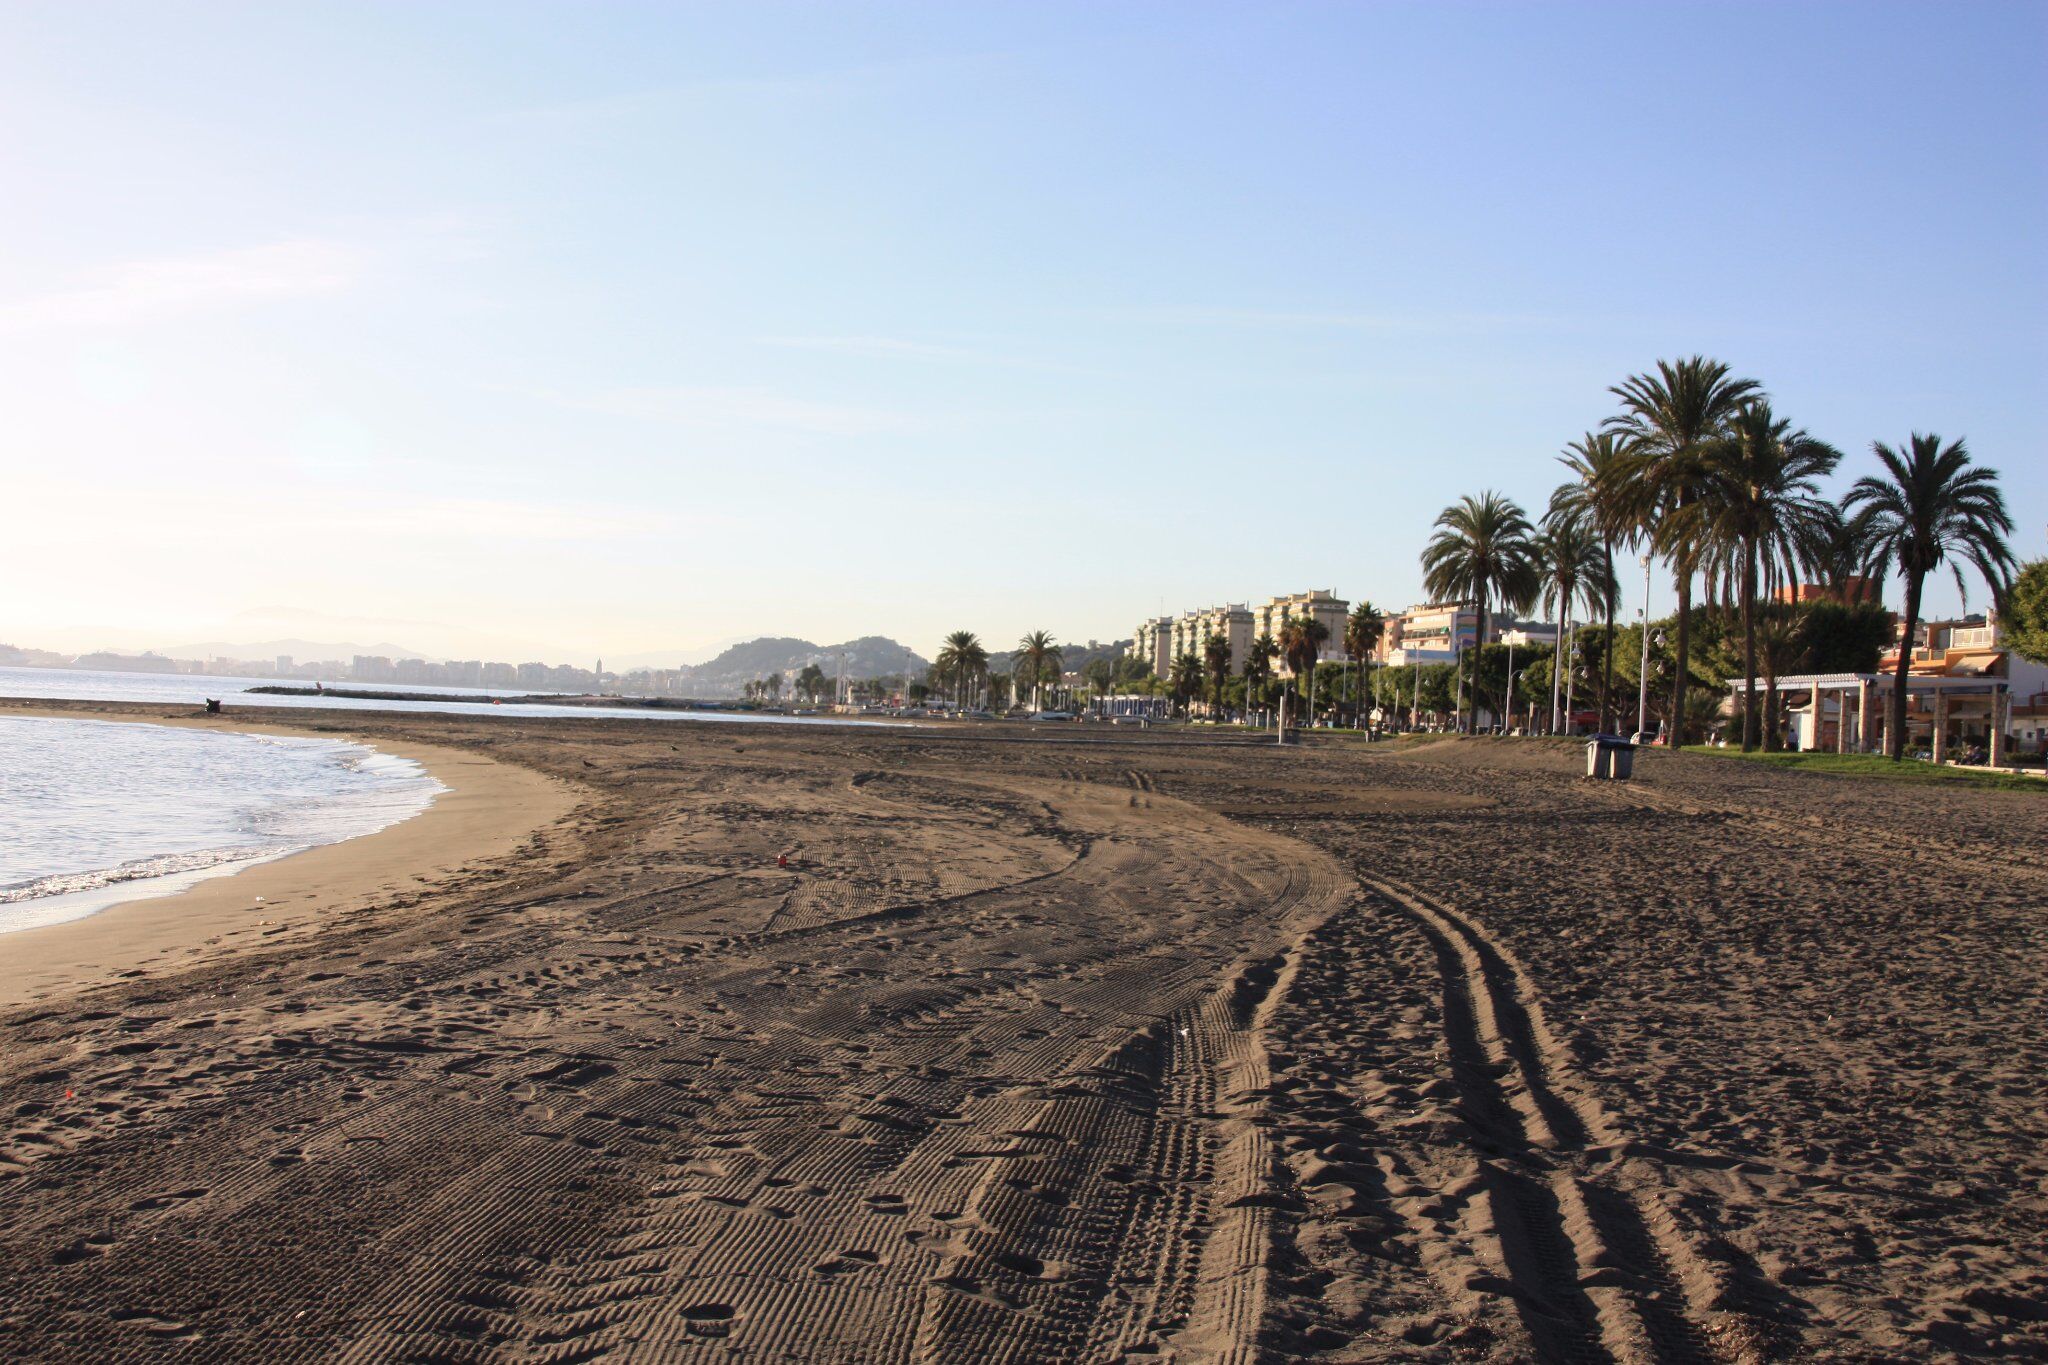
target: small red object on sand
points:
(70, 1095)
(782, 860)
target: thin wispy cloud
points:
(173, 515)
(481, 520)
(145, 290)
(742, 409)
(887, 348)
(774, 88)
(1431, 321)
(897, 348)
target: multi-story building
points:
(1152, 642)
(1435, 632)
(1429, 634)
(1321, 605)
(1851, 592)
(1523, 634)
(498, 674)
(1191, 632)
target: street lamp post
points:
(1643, 700)
(1508, 725)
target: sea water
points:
(93, 812)
(64, 684)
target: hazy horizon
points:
(493, 329)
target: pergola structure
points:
(1861, 703)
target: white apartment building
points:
(1191, 632)
(1320, 604)
(1152, 642)
(1434, 632)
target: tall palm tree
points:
(1258, 668)
(1035, 652)
(1301, 644)
(1216, 661)
(1362, 632)
(1758, 515)
(1480, 552)
(1601, 497)
(1672, 418)
(962, 658)
(1572, 562)
(1185, 679)
(1932, 507)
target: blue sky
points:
(617, 328)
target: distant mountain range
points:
(871, 656)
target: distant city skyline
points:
(520, 331)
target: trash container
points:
(1610, 758)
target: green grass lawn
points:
(1874, 765)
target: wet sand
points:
(943, 1045)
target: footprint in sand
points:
(710, 1319)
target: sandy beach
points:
(659, 1041)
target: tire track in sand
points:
(1514, 1203)
(1583, 1216)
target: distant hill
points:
(871, 656)
(1073, 657)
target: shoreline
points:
(489, 808)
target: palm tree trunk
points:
(1749, 725)
(1556, 669)
(1774, 709)
(1607, 649)
(1895, 740)
(1683, 572)
(1571, 675)
(1478, 639)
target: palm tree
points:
(961, 659)
(1933, 508)
(1781, 647)
(1671, 418)
(1601, 497)
(1301, 644)
(1186, 679)
(1481, 551)
(1572, 562)
(1034, 653)
(1841, 552)
(1757, 517)
(1258, 668)
(1216, 663)
(1362, 632)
